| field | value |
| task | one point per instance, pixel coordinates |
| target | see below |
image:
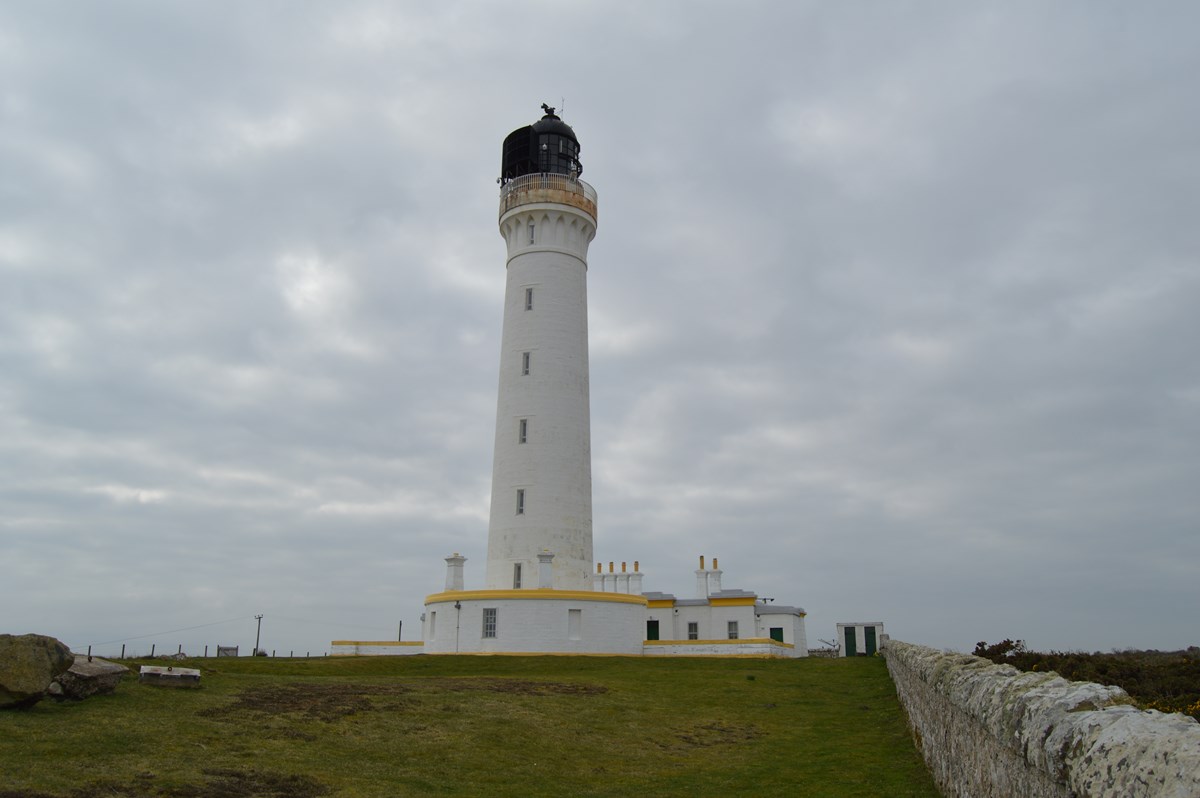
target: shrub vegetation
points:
(1168, 681)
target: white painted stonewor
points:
(542, 483)
(454, 571)
(534, 622)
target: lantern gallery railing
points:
(547, 186)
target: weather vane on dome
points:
(549, 109)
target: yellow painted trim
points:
(741, 640)
(586, 654)
(763, 655)
(530, 654)
(743, 601)
(534, 595)
(660, 604)
(376, 643)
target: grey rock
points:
(28, 665)
(85, 679)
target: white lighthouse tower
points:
(539, 593)
(542, 463)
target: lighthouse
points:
(538, 594)
(542, 461)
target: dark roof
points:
(552, 125)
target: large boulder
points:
(84, 678)
(28, 664)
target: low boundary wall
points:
(745, 647)
(375, 648)
(991, 730)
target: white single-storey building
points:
(859, 638)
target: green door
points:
(869, 639)
(777, 633)
(851, 648)
(651, 630)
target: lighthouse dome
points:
(547, 146)
(551, 125)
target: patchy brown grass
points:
(707, 735)
(216, 783)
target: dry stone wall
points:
(990, 730)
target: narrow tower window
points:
(529, 298)
(531, 233)
(523, 430)
(525, 363)
(516, 576)
(489, 621)
(520, 501)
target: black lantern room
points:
(548, 145)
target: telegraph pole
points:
(257, 635)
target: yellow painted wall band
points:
(744, 601)
(534, 595)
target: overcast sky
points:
(893, 309)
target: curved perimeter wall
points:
(534, 622)
(990, 730)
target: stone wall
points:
(990, 730)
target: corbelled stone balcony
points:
(548, 187)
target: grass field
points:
(477, 726)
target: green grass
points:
(479, 726)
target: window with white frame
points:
(693, 630)
(529, 298)
(523, 431)
(516, 576)
(733, 630)
(489, 621)
(525, 363)
(520, 501)
(531, 232)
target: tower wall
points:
(543, 382)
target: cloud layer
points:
(892, 310)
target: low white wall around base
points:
(374, 648)
(991, 730)
(747, 647)
(535, 622)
